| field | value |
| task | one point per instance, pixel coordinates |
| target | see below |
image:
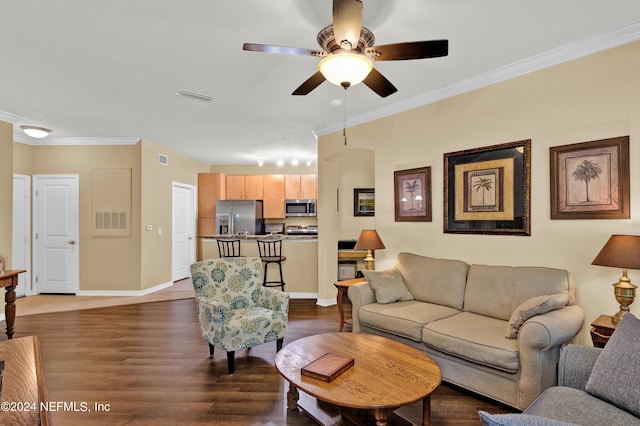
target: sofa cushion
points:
(535, 306)
(387, 285)
(438, 281)
(518, 420)
(496, 291)
(576, 406)
(476, 338)
(615, 377)
(403, 319)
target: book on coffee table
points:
(327, 367)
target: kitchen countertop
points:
(255, 237)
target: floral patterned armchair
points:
(234, 309)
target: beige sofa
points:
(495, 330)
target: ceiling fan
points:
(349, 51)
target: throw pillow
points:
(614, 377)
(388, 286)
(532, 307)
(518, 420)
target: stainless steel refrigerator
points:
(238, 216)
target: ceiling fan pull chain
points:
(344, 110)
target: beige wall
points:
(157, 187)
(587, 99)
(132, 263)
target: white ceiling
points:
(108, 71)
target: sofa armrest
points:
(575, 365)
(539, 342)
(360, 294)
(551, 329)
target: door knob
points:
(71, 242)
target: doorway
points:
(56, 261)
(183, 230)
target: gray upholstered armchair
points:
(234, 309)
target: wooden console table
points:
(23, 383)
(9, 280)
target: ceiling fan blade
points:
(411, 50)
(312, 82)
(379, 84)
(282, 50)
(347, 22)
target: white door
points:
(56, 233)
(21, 235)
(183, 230)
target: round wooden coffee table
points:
(385, 376)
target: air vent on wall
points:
(163, 159)
(195, 95)
(111, 220)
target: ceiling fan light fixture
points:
(36, 132)
(345, 69)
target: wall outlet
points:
(159, 231)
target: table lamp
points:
(621, 251)
(369, 240)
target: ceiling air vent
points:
(194, 95)
(163, 159)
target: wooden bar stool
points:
(271, 252)
(228, 248)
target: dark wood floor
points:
(148, 365)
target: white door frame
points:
(25, 208)
(76, 258)
(192, 231)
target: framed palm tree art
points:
(590, 180)
(412, 193)
(487, 190)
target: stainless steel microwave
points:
(300, 208)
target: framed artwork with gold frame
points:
(590, 180)
(412, 192)
(487, 190)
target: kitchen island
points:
(300, 269)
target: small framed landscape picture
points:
(412, 192)
(487, 190)
(590, 180)
(364, 202)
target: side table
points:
(342, 287)
(601, 330)
(9, 280)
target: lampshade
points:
(345, 69)
(369, 240)
(621, 251)
(36, 132)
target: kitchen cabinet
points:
(245, 187)
(273, 204)
(301, 186)
(211, 188)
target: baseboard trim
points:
(113, 293)
(327, 302)
(303, 295)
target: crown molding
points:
(7, 117)
(18, 137)
(567, 52)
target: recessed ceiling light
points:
(36, 132)
(294, 162)
(260, 163)
(280, 162)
